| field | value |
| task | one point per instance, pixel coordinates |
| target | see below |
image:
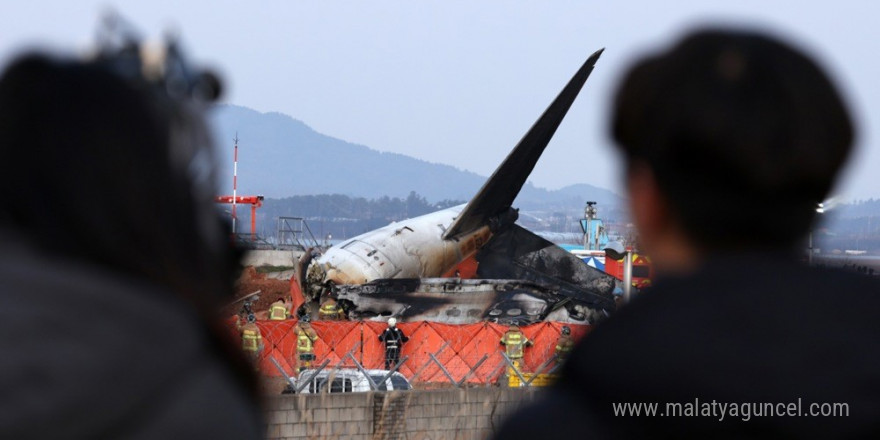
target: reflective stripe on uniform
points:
(278, 313)
(303, 342)
(514, 343)
(250, 340)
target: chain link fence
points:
(436, 354)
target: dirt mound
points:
(270, 289)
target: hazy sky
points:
(459, 82)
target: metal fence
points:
(436, 353)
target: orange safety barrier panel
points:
(463, 346)
(276, 337)
(423, 341)
(467, 345)
(336, 339)
(297, 298)
(374, 350)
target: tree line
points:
(339, 206)
(340, 215)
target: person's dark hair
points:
(104, 170)
(744, 134)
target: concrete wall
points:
(456, 414)
(271, 258)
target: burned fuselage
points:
(412, 248)
(408, 271)
(458, 301)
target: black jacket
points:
(393, 337)
(743, 329)
(92, 354)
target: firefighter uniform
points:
(330, 311)
(394, 339)
(305, 349)
(564, 345)
(514, 342)
(279, 310)
(251, 339)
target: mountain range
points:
(284, 159)
(280, 156)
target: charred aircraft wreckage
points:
(467, 263)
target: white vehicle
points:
(350, 380)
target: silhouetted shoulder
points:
(749, 328)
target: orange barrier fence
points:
(459, 348)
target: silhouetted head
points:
(108, 167)
(566, 330)
(733, 136)
(108, 162)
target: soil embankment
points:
(272, 286)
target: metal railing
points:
(294, 232)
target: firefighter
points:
(305, 338)
(394, 339)
(251, 339)
(330, 311)
(514, 342)
(280, 310)
(564, 345)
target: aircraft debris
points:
(404, 269)
(458, 301)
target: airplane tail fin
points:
(497, 194)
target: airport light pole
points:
(590, 213)
(820, 209)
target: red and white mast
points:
(234, 182)
(254, 201)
